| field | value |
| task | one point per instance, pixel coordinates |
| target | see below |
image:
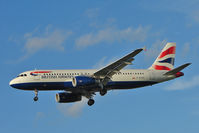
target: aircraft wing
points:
(111, 69)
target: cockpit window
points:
(22, 75)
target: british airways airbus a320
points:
(78, 83)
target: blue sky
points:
(89, 34)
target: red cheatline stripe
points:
(171, 50)
(41, 72)
(161, 68)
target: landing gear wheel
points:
(103, 92)
(35, 99)
(91, 102)
(36, 95)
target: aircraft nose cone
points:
(12, 83)
(16, 83)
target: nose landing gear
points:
(36, 95)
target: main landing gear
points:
(36, 95)
(91, 102)
(103, 92)
(90, 96)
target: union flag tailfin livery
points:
(78, 83)
(165, 61)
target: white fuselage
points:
(62, 79)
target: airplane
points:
(78, 83)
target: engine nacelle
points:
(79, 81)
(68, 97)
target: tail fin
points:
(165, 60)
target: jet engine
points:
(67, 97)
(79, 81)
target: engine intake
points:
(67, 97)
(79, 81)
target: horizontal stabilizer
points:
(178, 69)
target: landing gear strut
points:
(36, 96)
(91, 102)
(103, 92)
